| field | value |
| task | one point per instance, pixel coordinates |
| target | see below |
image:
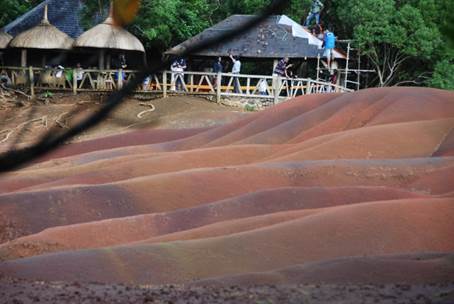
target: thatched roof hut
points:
(43, 36)
(108, 36)
(5, 38)
(276, 37)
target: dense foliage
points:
(11, 9)
(406, 41)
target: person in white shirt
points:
(79, 72)
(262, 87)
(236, 69)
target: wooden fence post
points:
(276, 82)
(218, 87)
(164, 84)
(32, 81)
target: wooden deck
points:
(188, 83)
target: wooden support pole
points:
(108, 60)
(318, 67)
(44, 59)
(32, 81)
(23, 58)
(218, 87)
(101, 59)
(145, 61)
(74, 81)
(346, 66)
(164, 84)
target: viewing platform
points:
(219, 86)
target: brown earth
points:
(321, 189)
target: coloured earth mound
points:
(336, 188)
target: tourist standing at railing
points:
(263, 87)
(316, 8)
(280, 71)
(282, 67)
(79, 74)
(236, 69)
(177, 68)
(217, 68)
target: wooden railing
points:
(222, 85)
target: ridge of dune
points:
(403, 140)
(124, 228)
(347, 113)
(33, 245)
(127, 167)
(133, 138)
(357, 143)
(171, 191)
(404, 269)
(377, 228)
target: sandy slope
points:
(379, 228)
(318, 178)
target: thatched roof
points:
(63, 14)
(277, 37)
(5, 38)
(43, 36)
(109, 36)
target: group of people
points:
(282, 69)
(179, 65)
(328, 37)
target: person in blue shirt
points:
(329, 43)
(316, 8)
(217, 68)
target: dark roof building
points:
(63, 14)
(277, 37)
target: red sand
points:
(390, 227)
(314, 179)
(408, 269)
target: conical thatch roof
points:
(63, 14)
(5, 38)
(43, 36)
(109, 36)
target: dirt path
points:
(35, 118)
(17, 291)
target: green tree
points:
(443, 76)
(162, 23)
(390, 33)
(11, 9)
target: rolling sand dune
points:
(134, 138)
(408, 269)
(130, 229)
(324, 188)
(31, 212)
(379, 228)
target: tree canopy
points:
(406, 41)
